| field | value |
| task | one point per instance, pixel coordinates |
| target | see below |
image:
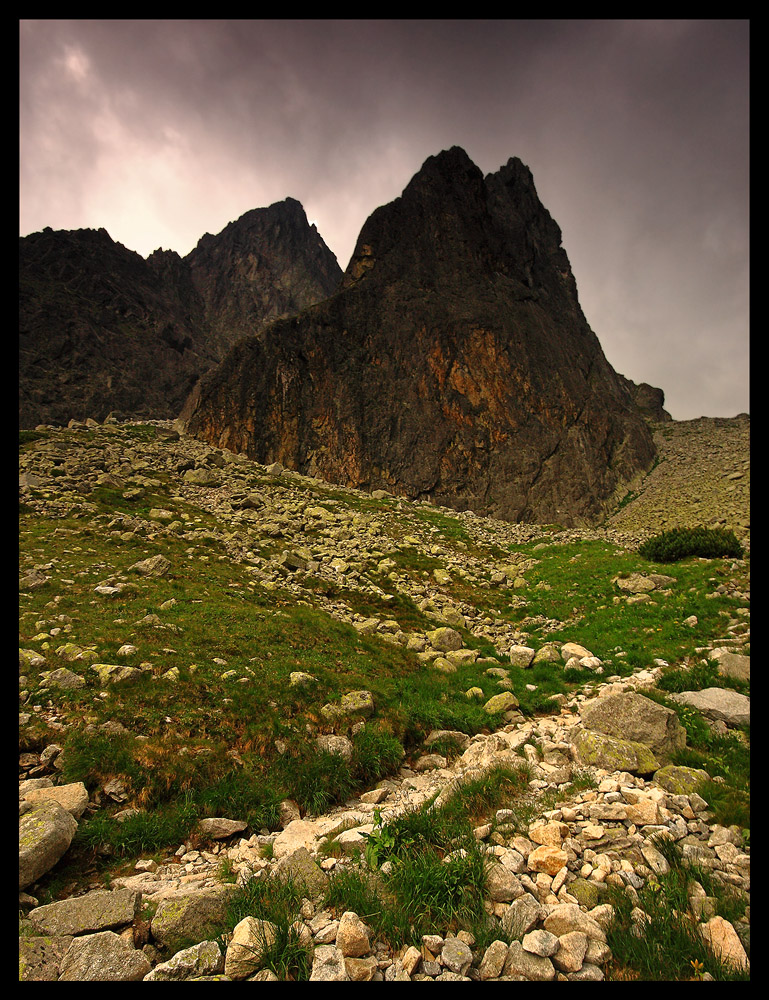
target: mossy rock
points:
(613, 754)
(680, 780)
(192, 917)
(587, 893)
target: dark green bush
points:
(678, 543)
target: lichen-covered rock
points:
(613, 754)
(103, 957)
(95, 911)
(46, 830)
(191, 915)
(40, 957)
(680, 780)
(632, 717)
(502, 702)
(73, 796)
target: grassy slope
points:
(205, 743)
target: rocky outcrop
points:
(103, 330)
(268, 264)
(454, 364)
(649, 400)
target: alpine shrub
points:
(678, 543)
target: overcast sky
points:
(636, 133)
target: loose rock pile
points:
(545, 889)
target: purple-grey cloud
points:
(636, 133)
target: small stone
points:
(352, 937)
(541, 942)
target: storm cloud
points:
(636, 133)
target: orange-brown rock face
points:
(455, 363)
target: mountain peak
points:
(455, 364)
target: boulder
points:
(46, 830)
(74, 796)
(103, 957)
(99, 910)
(193, 915)
(613, 754)
(250, 940)
(202, 959)
(40, 958)
(445, 639)
(632, 717)
(720, 704)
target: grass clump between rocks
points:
(656, 938)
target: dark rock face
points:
(649, 400)
(454, 363)
(269, 264)
(102, 329)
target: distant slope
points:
(702, 477)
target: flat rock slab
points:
(735, 665)
(103, 957)
(74, 796)
(40, 958)
(95, 911)
(721, 704)
(220, 828)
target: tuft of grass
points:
(315, 779)
(667, 945)
(140, 833)
(277, 900)
(376, 753)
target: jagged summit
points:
(267, 264)
(454, 363)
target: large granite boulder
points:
(631, 716)
(719, 704)
(46, 830)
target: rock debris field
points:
(549, 885)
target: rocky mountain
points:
(102, 329)
(269, 264)
(454, 364)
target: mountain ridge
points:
(103, 329)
